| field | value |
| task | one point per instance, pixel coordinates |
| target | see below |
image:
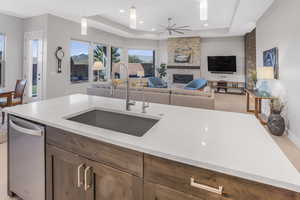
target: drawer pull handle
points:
(86, 184)
(207, 188)
(79, 181)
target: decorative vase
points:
(276, 123)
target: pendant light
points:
(84, 26)
(203, 10)
(132, 17)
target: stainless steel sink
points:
(124, 123)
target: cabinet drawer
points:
(178, 176)
(158, 192)
(117, 157)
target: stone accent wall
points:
(184, 42)
(250, 57)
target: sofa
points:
(179, 97)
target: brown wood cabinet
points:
(107, 183)
(80, 168)
(62, 175)
(72, 177)
(158, 192)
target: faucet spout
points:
(129, 103)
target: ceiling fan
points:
(173, 28)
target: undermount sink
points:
(124, 123)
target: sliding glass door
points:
(2, 59)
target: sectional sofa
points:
(179, 97)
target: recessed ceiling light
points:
(141, 22)
(153, 29)
(205, 24)
(122, 10)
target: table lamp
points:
(98, 66)
(140, 74)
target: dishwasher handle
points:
(34, 132)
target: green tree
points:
(100, 55)
(162, 70)
(134, 59)
(115, 55)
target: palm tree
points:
(115, 55)
(100, 54)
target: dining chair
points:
(16, 97)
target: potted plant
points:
(276, 123)
(162, 71)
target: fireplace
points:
(182, 78)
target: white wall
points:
(280, 27)
(227, 46)
(12, 27)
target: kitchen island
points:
(188, 154)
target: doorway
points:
(33, 66)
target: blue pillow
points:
(196, 84)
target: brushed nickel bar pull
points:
(86, 185)
(79, 181)
(207, 188)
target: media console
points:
(228, 87)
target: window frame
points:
(3, 61)
(89, 60)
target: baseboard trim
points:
(293, 138)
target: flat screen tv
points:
(225, 64)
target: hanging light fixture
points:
(132, 17)
(203, 10)
(84, 26)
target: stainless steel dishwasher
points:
(26, 159)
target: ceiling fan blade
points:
(173, 25)
(178, 32)
(182, 27)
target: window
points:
(141, 60)
(79, 61)
(34, 57)
(100, 63)
(2, 59)
(115, 61)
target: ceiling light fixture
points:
(84, 26)
(132, 17)
(141, 22)
(203, 10)
(122, 10)
(153, 29)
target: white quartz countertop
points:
(231, 143)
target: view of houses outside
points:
(144, 57)
(79, 61)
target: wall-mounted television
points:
(222, 64)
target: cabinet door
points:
(158, 192)
(62, 175)
(106, 183)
